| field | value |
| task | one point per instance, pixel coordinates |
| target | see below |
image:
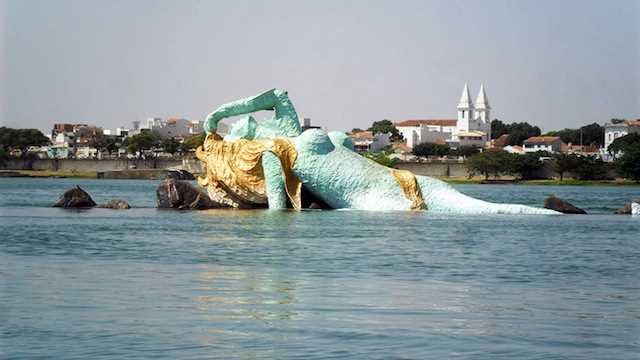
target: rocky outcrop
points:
(75, 198)
(555, 203)
(176, 194)
(180, 175)
(626, 209)
(116, 204)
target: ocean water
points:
(149, 283)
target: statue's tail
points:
(440, 197)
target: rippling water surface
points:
(148, 283)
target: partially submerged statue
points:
(267, 163)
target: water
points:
(147, 283)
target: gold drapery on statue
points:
(409, 186)
(234, 173)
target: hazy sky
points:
(345, 63)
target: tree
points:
(490, 162)
(170, 146)
(106, 143)
(431, 149)
(21, 139)
(498, 128)
(526, 165)
(385, 127)
(466, 150)
(628, 165)
(141, 142)
(356, 130)
(592, 134)
(591, 168)
(518, 132)
(381, 158)
(193, 142)
(562, 163)
(620, 144)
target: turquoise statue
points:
(266, 163)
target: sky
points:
(554, 64)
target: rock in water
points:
(75, 198)
(180, 175)
(176, 194)
(635, 209)
(626, 209)
(116, 204)
(557, 204)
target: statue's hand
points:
(211, 123)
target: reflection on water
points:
(145, 283)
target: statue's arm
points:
(273, 99)
(274, 181)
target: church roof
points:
(482, 101)
(465, 98)
(433, 122)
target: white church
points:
(472, 127)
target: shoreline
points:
(159, 175)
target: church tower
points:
(483, 112)
(465, 110)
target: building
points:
(306, 124)
(472, 127)
(619, 128)
(365, 141)
(552, 144)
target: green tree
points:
(381, 158)
(518, 132)
(526, 166)
(562, 163)
(490, 162)
(591, 168)
(356, 130)
(193, 142)
(385, 127)
(620, 144)
(465, 150)
(628, 165)
(592, 134)
(21, 139)
(431, 149)
(498, 128)
(141, 142)
(170, 146)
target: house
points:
(500, 142)
(617, 129)
(513, 149)
(551, 144)
(472, 127)
(365, 141)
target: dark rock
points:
(626, 209)
(180, 175)
(75, 198)
(315, 206)
(176, 194)
(116, 204)
(557, 204)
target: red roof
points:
(435, 122)
(541, 139)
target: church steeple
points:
(482, 102)
(465, 110)
(465, 99)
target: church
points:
(472, 127)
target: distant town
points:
(385, 141)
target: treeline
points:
(592, 134)
(434, 149)
(529, 165)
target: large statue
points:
(266, 164)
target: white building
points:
(365, 141)
(472, 127)
(552, 144)
(619, 129)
